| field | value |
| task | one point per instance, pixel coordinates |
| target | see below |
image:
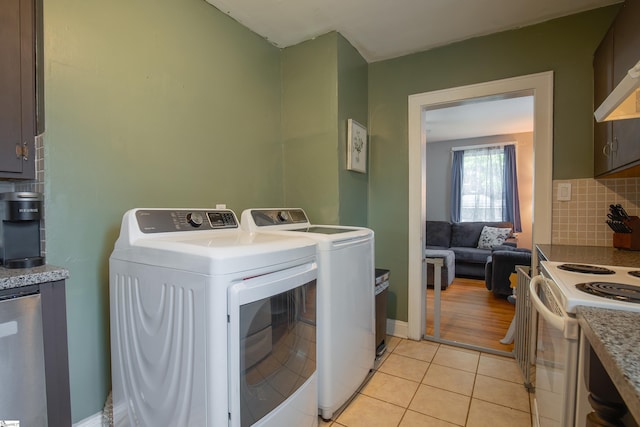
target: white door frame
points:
(541, 85)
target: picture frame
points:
(356, 147)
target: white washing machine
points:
(210, 325)
(346, 301)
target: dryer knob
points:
(195, 219)
(283, 216)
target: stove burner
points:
(616, 291)
(585, 268)
(635, 273)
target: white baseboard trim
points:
(94, 420)
(397, 328)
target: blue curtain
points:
(511, 202)
(456, 184)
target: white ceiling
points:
(383, 29)
(479, 118)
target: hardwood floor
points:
(471, 314)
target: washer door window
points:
(272, 330)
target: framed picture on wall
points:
(356, 147)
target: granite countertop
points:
(18, 277)
(601, 255)
(615, 338)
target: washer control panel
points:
(170, 220)
(265, 217)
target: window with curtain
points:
(485, 185)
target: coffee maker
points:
(20, 215)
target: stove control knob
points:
(283, 216)
(195, 219)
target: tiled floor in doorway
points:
(429, 384)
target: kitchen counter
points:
(601, 255)
(615, 338)
(17, 277)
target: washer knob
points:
(195, 219)
(283, 216)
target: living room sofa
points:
(462, 239)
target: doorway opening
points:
(540, 86)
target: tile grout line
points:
(422, 379)
(404, 414)
(475, 378)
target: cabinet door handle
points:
(606, 149)
(22, 151)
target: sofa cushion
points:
(509, 247)
(438, 233)
(492, 236)
(506, 246)
(468, 233)
(439, 253)
(437, 248)
(475, 255)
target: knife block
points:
(630, 241)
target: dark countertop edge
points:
(622, 362)
(17, 277)
(601, 255)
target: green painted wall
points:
(324, 83)
(148, 104)
(352, 104)
(310, 127)
(563, 45)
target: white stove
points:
(600, 282)
(561, 391)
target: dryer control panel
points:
(171, 220)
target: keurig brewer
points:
(20, 214)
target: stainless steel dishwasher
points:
(22, 379)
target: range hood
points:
(624, 101)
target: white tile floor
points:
(429, 384)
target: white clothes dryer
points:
(346, 299)
(210, 325)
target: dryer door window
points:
(276, 350)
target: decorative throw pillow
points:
(492, 236)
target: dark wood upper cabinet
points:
(602, 86)
(626, 39)
(617, 143)
(20, 33)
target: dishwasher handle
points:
(562, 322)
(23, 291)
